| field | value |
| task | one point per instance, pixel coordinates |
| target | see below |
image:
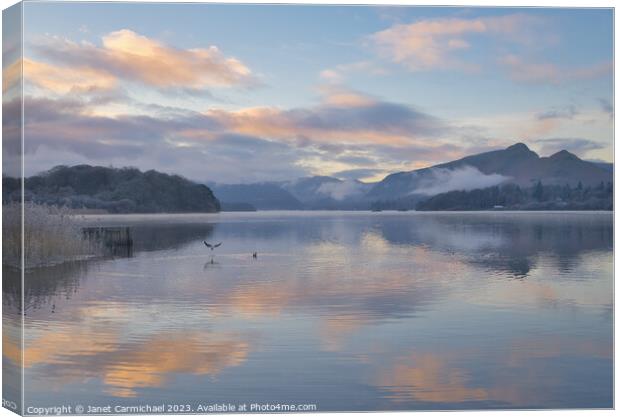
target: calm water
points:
(348, 311)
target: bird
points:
(211, 246)
(254, 255)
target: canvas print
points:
(214, 208)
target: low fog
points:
(341, 190)
(441, 180)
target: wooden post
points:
(116, 240)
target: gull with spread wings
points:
(212, 247)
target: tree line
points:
(514, 197)
(115, 190)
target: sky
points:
(246, 93)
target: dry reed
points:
(51, 235)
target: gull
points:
(211, 246)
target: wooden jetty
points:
(116, 241)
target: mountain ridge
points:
(517, 163)
(130, 190)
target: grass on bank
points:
(51, 235)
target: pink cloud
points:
(533, 72)
(431, 44)
(129, 56)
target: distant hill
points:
(128, 190)
(308, 193)
(124, 190)
(232, 206)
(516, 164)
(328, 193)
(262, 196)
(311, 189)
(608, 166)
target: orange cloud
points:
(127, 55)
(341, 97)
(11, 75)
(160, 65)
(344, 116)
(273, 123)
(430, 44)
(63, 80)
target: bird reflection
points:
(211, 265)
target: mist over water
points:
(345, 310)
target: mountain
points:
(567, 178)
(321, 192)
(308, 193)
(309, 189)
(124, 190)
(516, 164)
(607, 166)
(237, 206)
(262, 196)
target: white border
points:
(476, 3)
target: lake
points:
(342, 310)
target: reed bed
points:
(51, 236)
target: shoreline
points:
(146, 218)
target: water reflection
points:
(429, 377)
(505, 243)
(416, 310)
(40, 285)
(447, 376)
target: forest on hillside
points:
(114, 190)
(514, 197)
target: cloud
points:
(241, 158)
(423, 154)
(545, 72)
(606, 106)
(344, 130)
(442, 180)
(568, 112)
(356, 160)
(343, 97)
(344, 117)
(64, 80)
(342, 190)
(445, 43)
(65, 131)
(439, 43)
(576, 145)
(11, 75)
(338, 73)
(67, 124)
(358, 173)
(129, 56)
